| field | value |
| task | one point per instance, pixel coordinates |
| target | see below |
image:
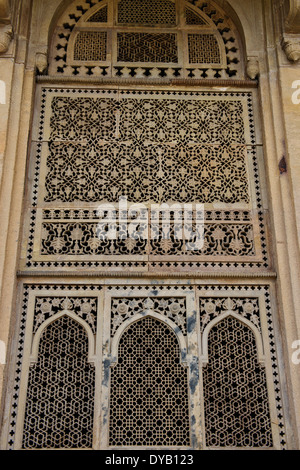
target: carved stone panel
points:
(99, 153)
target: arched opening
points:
(164, 38)
(60, 395)
(149, 389)
(236, 403)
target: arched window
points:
(235, 392)
(149, 390)
(60, 395)
(161, 38)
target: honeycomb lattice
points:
(147, 13)
(60, 395)
(149, 398)
(235, 391)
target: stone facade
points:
(184, 102)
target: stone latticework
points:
(150, 266)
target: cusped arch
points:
(50, 320)
(142, 315)
(251, 326)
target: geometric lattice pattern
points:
(149, 389)
(99, 17)
(90, 46)
(150, 147)
(168, 48)
(203, 49)
(60, 395)
(148, 384)
(235, 392)
(147, 47)
(147, 150)
(192, 18)
(143, 12)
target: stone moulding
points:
(167, 275)
(141, 81)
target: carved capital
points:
(41, 62)
(291, 47)
(291, 10)
(252, 68)
(5, 38)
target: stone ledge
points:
(151, 275)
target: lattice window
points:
(203, 49)
(206, 162)
(90, 46)
(235, 391)
(147, 47)
(154, 37)
(60, 396)
(144, 12)
(99, 17)
(150, 147)
(192, 18)
(149, 397)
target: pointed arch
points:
(46, 323)
(149, 387)
(215, 321)
(149, 313)
(235, 389)
(59, 410)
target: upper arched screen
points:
(142, 38)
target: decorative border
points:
(167, 264)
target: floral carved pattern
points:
(211, 308)
(148, 150)
(173, 308)
(84, 307)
